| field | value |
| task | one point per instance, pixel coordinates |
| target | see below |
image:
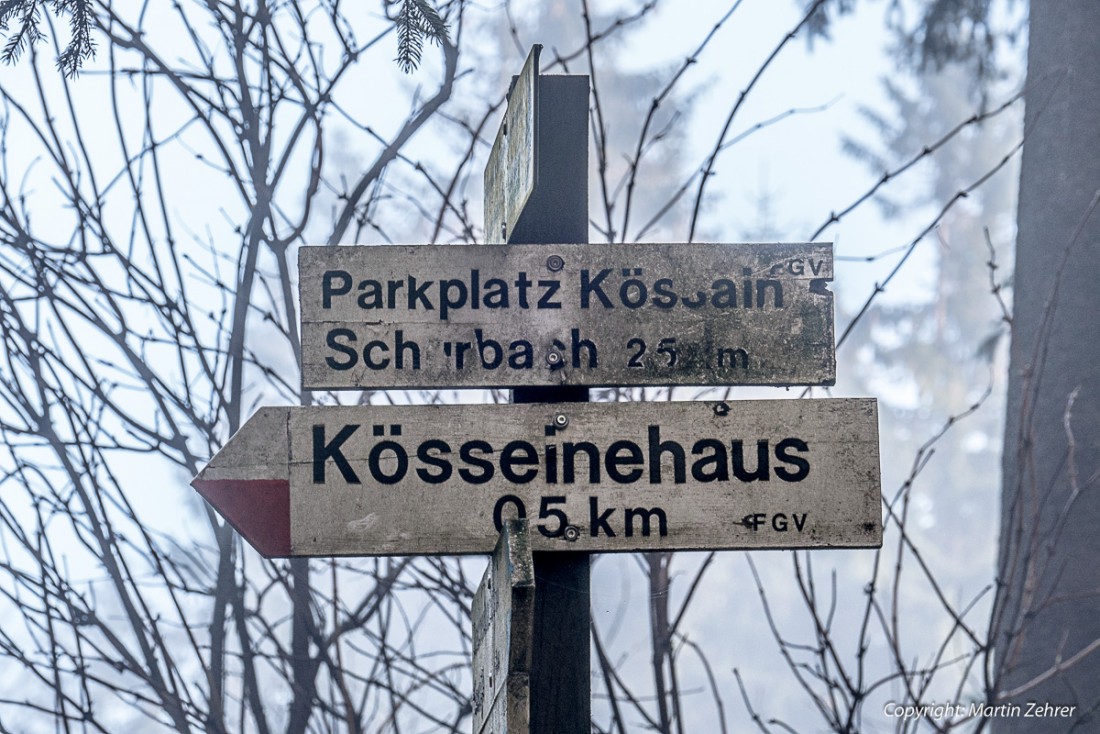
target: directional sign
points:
(512, 171)
(525, 315)
(595, 477)
(503, 624)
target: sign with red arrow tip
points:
(596, 477)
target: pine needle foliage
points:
(416, 20)
(20, 19)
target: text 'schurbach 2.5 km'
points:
(609, 315)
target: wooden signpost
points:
(594, 315)
(552, 479)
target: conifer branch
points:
(417, 20)
(25, 16)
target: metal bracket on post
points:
(503, 625)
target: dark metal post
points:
(558, 213)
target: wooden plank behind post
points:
(503, 616)
(557, 212)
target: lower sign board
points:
(503, 620)
(512, 170)
(539, 315)
(590, 477)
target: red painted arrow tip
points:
(259, 509)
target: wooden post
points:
(553, 211)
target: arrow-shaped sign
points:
(248, 481)
(597, 477)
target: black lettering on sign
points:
(334, 283)
(369, 359)
(498, 510)
(444, 466)
(322, 452)
(377, 461)
(486, 467)
(738, 456)
(401, 346)
(725, 293)
(545, 511)
(623, 453)
(550, 289)
(569, 458)
(655, 460)
(583, 345)
(802, 466)
(452, 295)
(522, 284)
(633, 292)
(714, 465)
(590, 287)
(371, 295)
(332, 339)
(782, 523)
(376, 353)
(489, 350)
(519, 453)
(496, 293)
(644, 515)
(658, 449)
(419, 294)
(597, 521)
(730, 357)
(698, 301)
(522, 355)
(663, 295)
(392, 287)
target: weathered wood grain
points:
(503, 619)
(368, 480)
(543, 315)
(512, 170)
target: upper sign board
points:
(432, 316)
(589, 477)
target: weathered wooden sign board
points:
(512, 170)
(596, 477)
(527, 315)
(503, 623)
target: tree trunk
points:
(1047, 621)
